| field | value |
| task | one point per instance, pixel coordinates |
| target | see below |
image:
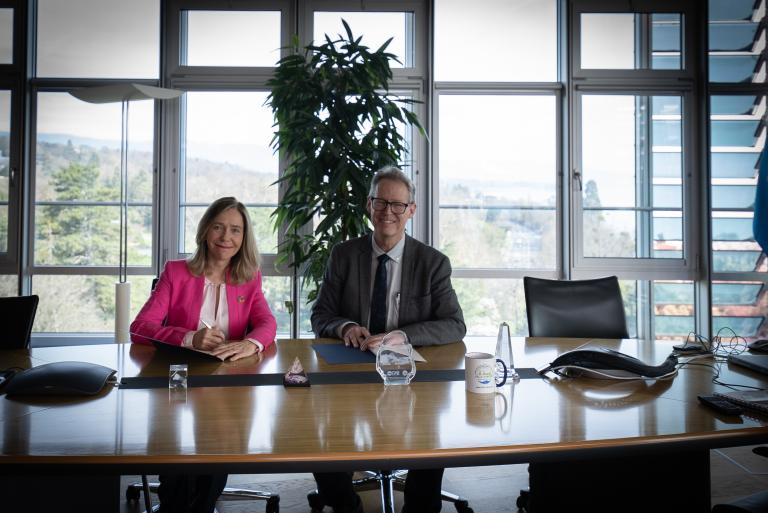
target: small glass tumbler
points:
(177, 377)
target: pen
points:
(206, 324)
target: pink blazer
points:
(173, 309)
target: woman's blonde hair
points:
(246, 262)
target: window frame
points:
(637, 267)
(209, 79)
(558, 90)
(33, 87)
(690, 83)
(9, 259)
(215, 75)
(716, 278)
(722, 89)
(500, 89)
(64, 86)
(688, 40)
(419, 41)
(12, 79)
(686, 83)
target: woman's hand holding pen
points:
(208, 338)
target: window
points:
(80, 303)
(737, 34)
(486, 303)
(230, 38)
(227, 153)
(9, 285)
(511, 41)
(674, 315)
(633, 190)
(76, 209)
(98, 39)
(12, 76)
(77, 185)
(5, 166)
(496, 147)
(630, 41)
(221, 140)
(277, 290)
(377, 27)
(631, 176)
(504, 188)
(550, 157)
(73, 243)
(738, 130)
(6, 36)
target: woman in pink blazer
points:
(212, 302)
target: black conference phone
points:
(601, 362)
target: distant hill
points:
(247, 156)
(93, 143)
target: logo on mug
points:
(484, 374)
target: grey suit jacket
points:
(429, 309)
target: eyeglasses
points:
(396, 206)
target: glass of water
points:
(177, 376)
(394, 359)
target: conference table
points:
(359, 425)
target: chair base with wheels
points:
(387, 481)
(133, 493)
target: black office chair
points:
(21, 311)
(387, 481)
(755, 503)
(133, 492)
(579, 309)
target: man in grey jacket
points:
(377, 283)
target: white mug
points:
(480, 373)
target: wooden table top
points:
(272, 428)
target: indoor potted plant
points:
(336, 124)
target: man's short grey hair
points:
(393, 173)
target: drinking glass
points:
(177, 376)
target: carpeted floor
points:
(735, 472)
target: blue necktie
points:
(379, 298)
